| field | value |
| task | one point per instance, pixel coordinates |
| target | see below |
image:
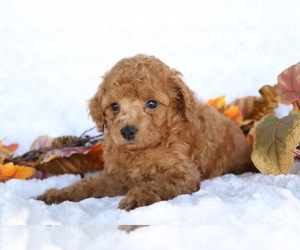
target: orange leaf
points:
(9, 171)
(96, 155)
(234, 113)
(12, 147)
(219, 103)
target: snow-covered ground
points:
(231, 212)
(52, 54)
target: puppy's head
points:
(139, 101)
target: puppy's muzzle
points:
(129, 132)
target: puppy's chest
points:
(139, 167)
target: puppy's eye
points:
(151, 104)
(115, 106)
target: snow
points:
(52, 56)
(251, 211)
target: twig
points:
(84, 141)
(7, 160)
(87, 131)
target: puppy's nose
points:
(129, 132)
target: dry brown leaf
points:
(256, 107)
(251, 133)
(77, 163)
(296, 107)
(63, 141)
(246, 105)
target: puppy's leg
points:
(97, 186)
(164, 188)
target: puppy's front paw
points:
(138, 197)
(51, 196)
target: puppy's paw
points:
(138, 197)
(51, 196)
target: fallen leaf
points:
(254, 108)
(234, 113)
(44, 141)
(77, 163)
(12, 147)
(231, 111)
(219, 103)
(296, 107)
(246, 125)
(246, 105)
(288, 86)
(274, 141)
(61, 152)
(250, 134)
(297, 152)
(9, 171)
(64, 141)
(4, 152)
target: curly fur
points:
(177, 144)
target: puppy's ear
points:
(96, 108)
(185, 98)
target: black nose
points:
(129, 132)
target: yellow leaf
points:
(24, 172)
(50, 158)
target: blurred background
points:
(53, 53)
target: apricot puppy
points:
(159, 140)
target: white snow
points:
(52, 54)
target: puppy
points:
(159, 140)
